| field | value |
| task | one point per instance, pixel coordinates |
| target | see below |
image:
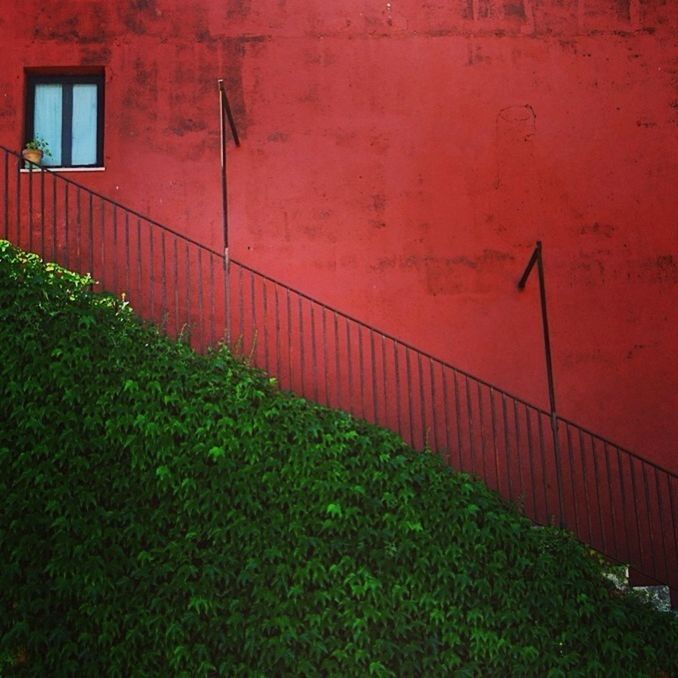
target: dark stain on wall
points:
(514, 9)
(91, 25)
(484, 9)
(138, 14)
(624, 9)
(665, 268)
(141, 97)
(277, 136)
(516, 128)
(605, 230)
(238, 8)
(7, 106)
(490, 255)
(379, 203)
(182, 126)
(95, 56)
(475, 54)
(234, 50)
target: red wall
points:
(400, 159)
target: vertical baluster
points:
(78, 229)
(507, 447)
(325, 366)
(408, 391)
(384, 374)
(102, 245)
(573, 483)
(611, 499)
(596, 484)
(241, 302)
(189, 306)
(648, 513)
(42, 214)
(397, 381)
(211, 294)
(90, 231)
(54, 218)
(469, 414)
(625, 512)
(422, 404)
(165, 304)
(278, 369)
(5, 195)
(337, 373)
(494, 440)
(128, 266)
(375, 397)
(289, 338)
(350, 367)
(17, 197)
(545, 476)
(635, 502)
(202, 322)
(265, 323)
(673, 507)
(518, 449)
(314, 357)
(446, 408)
(361, 373)
(530, 456)
(113, 263)
(457, 412)
(584, 482)
(175, 287)
(255, 329)
(140, 297)
(67, 244)
(662, 527)
(481, 431)
(151, 268)
(29, 210)
(302, 355)
(434, 406)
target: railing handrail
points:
(444, 363)
(348, 317)
(115, 203)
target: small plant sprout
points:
(38, 144)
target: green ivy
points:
(165, 513)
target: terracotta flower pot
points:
(33, 155)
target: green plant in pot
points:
(34, 150)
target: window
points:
(67, 111)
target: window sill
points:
(63, 169)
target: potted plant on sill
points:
(34, 150)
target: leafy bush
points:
(165, 513)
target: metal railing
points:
(615, 501)
(171, 279)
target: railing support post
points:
(224, 114)
(537, 259)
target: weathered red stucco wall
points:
(400, 159)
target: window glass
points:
(84, 148)
(47, 119)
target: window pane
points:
(47, 120)
(84, 125)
